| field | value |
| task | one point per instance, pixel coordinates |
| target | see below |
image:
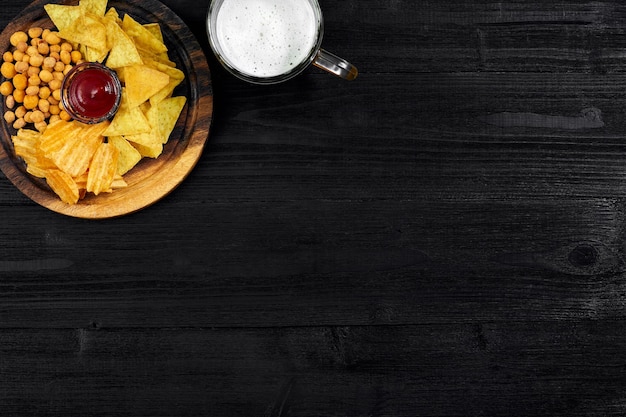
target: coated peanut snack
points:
(33, 70)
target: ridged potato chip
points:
(75, 155)
(102, 169)
(55, 136)
(26, 145)
(63, 185)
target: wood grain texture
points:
(298, 372)
(152, 178)
(443, 236)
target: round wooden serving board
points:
(151, 179)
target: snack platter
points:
(152, 178)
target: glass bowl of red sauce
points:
(91, 93)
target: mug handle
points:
(335, 65)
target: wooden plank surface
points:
(429, 371)
(443, 236)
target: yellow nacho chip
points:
(118, 182)
(61, 15)
(176, 77)
(149, 151)
(121, 74)
(169, 112)
(128, 120)
(96, 7)
(149, 139)
(123, 52)
(165, 68)
(86, 30)
(152, 116)
(162, 57)
(152, 136)
(142, 82)
(94, 55)
(113, 14)
(128, 155)
(155, 30)
(142, 36)
(165, 92)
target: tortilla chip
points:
(142, 36)
(168, 68)
(121, 74)
(142, 82)
(176, 77)
(94, 55)
(146, 139)
(86, 30)
(113, 14)
(128, 156)
(97, 7)
(149, 151)
(61, 15)
(128, 120)
(123, 51)
(148, 55)
(169, 112)
(155, 30)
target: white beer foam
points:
(266, 38)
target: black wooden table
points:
(444, 236)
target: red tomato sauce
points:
(92, 93)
